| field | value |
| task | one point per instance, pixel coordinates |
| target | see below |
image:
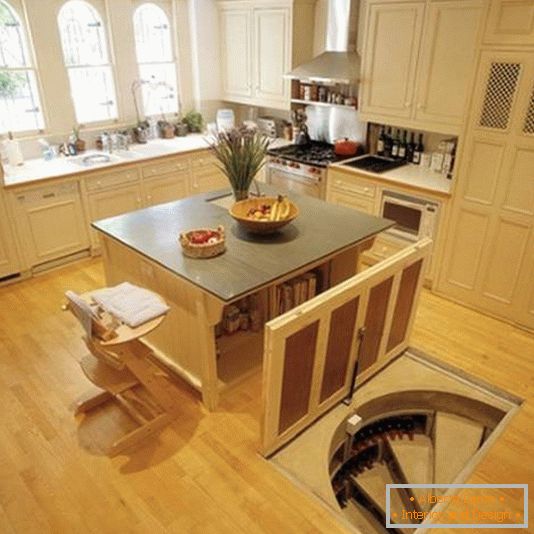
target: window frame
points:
(110, 64)
(174, 56)
(20, 15)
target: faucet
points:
(107, 142)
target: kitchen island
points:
(142, 247)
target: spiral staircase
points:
(401, 448)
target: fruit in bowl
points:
(203, 242)
(278, 211)
(264, 215)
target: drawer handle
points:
(49, 195)
(366, 189)
(98, 182)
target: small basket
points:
(202, 250)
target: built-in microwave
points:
(415, 217)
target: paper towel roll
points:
(13, 152)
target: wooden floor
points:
(203, 473)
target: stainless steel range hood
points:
(339, 63)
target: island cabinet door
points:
(313, 352)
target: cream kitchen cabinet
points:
(489, 256)
(272, 57)
(165, 189)
(256, 55)
(110, 202)
(418, 62)
(236, 38)
(9, 261)
(389, 62)
(50, 222)
(111, 193)
(167, 180)
(352, 192)
(364, 193)
(260, 41)
(206, 176)
(510, 22)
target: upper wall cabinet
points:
(236, 31)
(418, 60)
(260, 41)
(510, 22)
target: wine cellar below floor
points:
(410, 416)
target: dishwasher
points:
(50, 222)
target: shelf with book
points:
(240, 334)
(295, 291)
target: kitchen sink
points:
(102, 158)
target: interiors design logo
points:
(475, 506)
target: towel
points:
(130, 304)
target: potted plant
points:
(166, 129)
(79, 144)
(194, 121)
(241, 153)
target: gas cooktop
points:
(376, 164)
(315, 153)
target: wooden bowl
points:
(202, 250)
(240, 212)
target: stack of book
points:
(296, 291)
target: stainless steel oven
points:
(298, 177)
(415, 217)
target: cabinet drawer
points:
(349, 200)
(111, 179)
(200, 162)
(165, 167)
(384, 247)
(357, 187)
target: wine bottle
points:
(410, 148)
(419, 149)
(395, 145)
(402, 146)
(380, 142)
(387, 143)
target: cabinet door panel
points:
(464, 252)
(166, 189)
(271, 54)
(447, 61)
(306, 347)
(236, 42)
(519, 196)
(51, 228)
(110, 203)
(207, 176)
(510, 21)
(506, 254)
(484, 158)
(390, 58)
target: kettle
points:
(302, 137)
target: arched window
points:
(86, 56)
(155, 56)
(20, 108)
